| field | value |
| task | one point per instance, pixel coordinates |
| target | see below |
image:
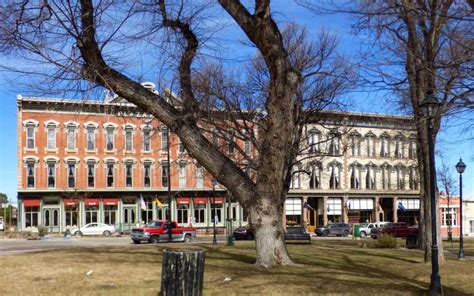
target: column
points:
(345, 210)
(325, 210)
(377, 209)
(395, 210)
(304, 219)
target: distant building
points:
(468, 217)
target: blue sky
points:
(453, 143)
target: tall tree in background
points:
(92, 41)
(421, 48)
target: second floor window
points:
(384, 147)
(110, 175)
(370, 145)
(181, 148)
(164, 139)
(413, 178)
(182, 174)
(109, 138)
(71, 175)
(315, 177)
(355, 177)
(128, 139)
(30, 137)
(147, 174)
(164, 174)
(370, 178)
(199, 177)
(147, 140)
(90, 138)
(400, 178)
(71, 138)
(231, 144)
(51, 175)
(51, 137)
(334, 180)
(90, 175)
(295, 178)
(334, 148)
(412, 150)
(128, 175)
(385, 177)
(355, 145)
(30, 174)
(313, 141)
(399, 148)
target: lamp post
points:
(429, 106)
(460, 167)
(214, 238)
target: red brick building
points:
(86, 161)
(449, 211)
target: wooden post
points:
(182, 272)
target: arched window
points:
(400, 175)
(355, 171)
(315, 175)
(386, 175)
(370, 176)
(314, 138)
(334, 175)
(413, 178)
(295, 177)
(370, 144)
(384, 145)
(399, 146)
(354, 143)
(334, 143)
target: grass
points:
(324, 267)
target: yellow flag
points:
(158, 203)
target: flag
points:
(306, 205)
(142, 202)
(349, 205)
(328, 209)
(401, 207)
(158, 203)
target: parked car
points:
(366, 228)
(341, 229)
(158, 231)
(243, 233)
(94, 229)
(400, 229)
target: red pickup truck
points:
(400, 229)
(157, 231)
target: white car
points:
(94, 229)
(366, 228)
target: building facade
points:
(87, 161)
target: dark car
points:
(336, 229)
(243, 233)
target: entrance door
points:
(311, 218)
(128, 218)
(51, 219)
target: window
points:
(334, 147)
(51, 137)
(147, 214)
(199, 213)
(385, 177)
(71, 137)
(147, 140)
(92, 213)
(355, 177)
(183, 213)
(315, 176)
(164, 139)
(449, 217)
(182, 174)
(110, 175)
(354, 143)
(30, 174)
(370, 177)
(313, 141)
(334, 176)
(72, 215)
(399, 147)
(199, 177)
(90, 129)
(384, 147)
(147, 174)
(164, 174)
(71, 175)
(231, 144)
(51, 175)
(370, 140)
(128, 174)
(413, 178)
(31, 216)
(412, 150)
(216, 212)
(247, 143)
(400, 174)
(128, 138)
(90, 175)
(109, 138)
(110, 214)
(30, 137)
(181, 148)
(295, 177)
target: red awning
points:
(110, 201)
(71, 202)
(31, 202)
(200, 200)
(91, 202)
(217, 200)
(183, 200)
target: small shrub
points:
(42, 230)
(386, 241)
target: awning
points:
(183, 200)
(91, 202)
(71, 202)
(217, 200)
(110, 201)
(31, 202)
(200, 200)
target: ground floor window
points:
(334, 219)
(199, 213)
(110, 215)
(31, 216)
(409, 217)
(128, 215)
(293, 211)
(183, 213)
(293, 219)
(449, 218)
(72, 215)
(147, 214)
(161, 212)
(92, 214)
(216, 213)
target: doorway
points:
(51, 219)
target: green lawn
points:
(324, 267)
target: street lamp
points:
(460, 167)
(214, 238)
(429, 106)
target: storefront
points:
(360, 210)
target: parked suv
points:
(366, 228)
(334, 229)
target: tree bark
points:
(182, 272)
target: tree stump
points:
(182, 272)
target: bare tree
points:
(288, 79)
(448, 184)
(418, 48)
